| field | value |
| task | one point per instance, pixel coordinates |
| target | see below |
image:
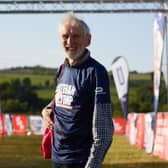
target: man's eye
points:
(65, 37)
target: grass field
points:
(35, 79)
(24, 152)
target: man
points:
(83, 127)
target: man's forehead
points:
(68, 27)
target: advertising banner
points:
(158, 42)
(20, 124)
(119, 125)
(2, 124)
(158, 149)
(140, 126)
(120, 74)
(36, 125)
(8, 125)
(149, 133)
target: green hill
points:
(43, 84)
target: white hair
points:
(73, 20)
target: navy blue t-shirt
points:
(78, 89)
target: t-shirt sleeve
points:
(102, 92)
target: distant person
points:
(83, 127)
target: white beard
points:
(76, 55)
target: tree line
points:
(20, 95)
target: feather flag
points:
(158, 39)
(120, 74)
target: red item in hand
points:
(47, 143)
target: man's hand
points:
(46, 112)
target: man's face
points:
(74, 40)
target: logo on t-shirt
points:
(99, 90)
(64, 95)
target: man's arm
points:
(102, 128)
(102, 135)
(46, 114)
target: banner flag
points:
(159, 30)
(2, 124)
(119, 125)
(36, 125)
(158, 39)
(8, 125)
(149, 133)
(20, 124)
(120, 74)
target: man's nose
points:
(69, 40)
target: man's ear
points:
(88, 40)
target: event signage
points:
(120, 73)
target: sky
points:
(33, 39)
